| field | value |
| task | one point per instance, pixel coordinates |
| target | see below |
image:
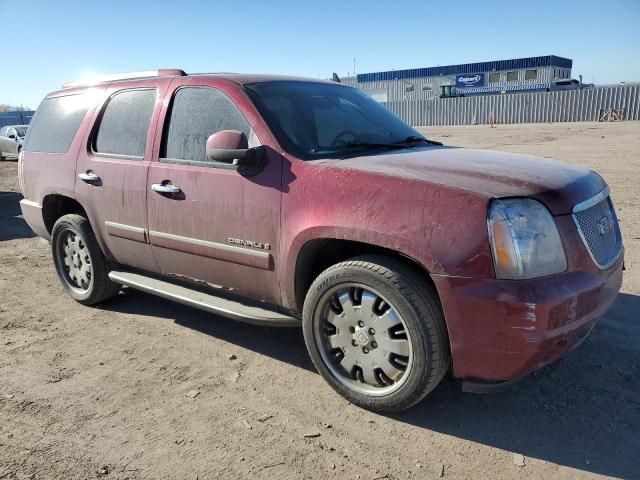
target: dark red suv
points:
(286, 201)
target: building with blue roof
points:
(480, 78)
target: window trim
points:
(165, 132)
(98, 122)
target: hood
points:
(492, 174)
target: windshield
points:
(22, 131)
(320, 120)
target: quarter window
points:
(512, 76)
(196, 113)
(531, 75)
(125, 123)
(55, 123)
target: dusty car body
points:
(11, 138)
(261, 228)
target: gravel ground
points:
(141, 388)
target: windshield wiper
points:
(413, 140)
(345, 147)
(408, 142)
(371, 145)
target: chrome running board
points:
(226, 307)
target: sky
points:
(55, 42)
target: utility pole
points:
(354, 66)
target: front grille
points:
(598, 226)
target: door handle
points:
(165, 188)
(89, 177)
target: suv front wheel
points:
(79, 261)
(375, 332)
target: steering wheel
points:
(339, 140)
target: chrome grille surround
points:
(598, 227)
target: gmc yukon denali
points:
(286, 201)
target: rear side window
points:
(125, 123)
(55, 123)
(197, 113)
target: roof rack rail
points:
(162, 72)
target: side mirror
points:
(231, 146)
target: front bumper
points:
(504, 329)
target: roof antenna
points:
(336, 78)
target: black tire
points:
(414, 299)
(100, 287)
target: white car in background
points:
(569, 84)
(11, 138)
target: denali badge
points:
(604, 224)
(249, 243)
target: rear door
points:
(112, 171)
(3, 141)
(223, 226)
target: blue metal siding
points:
(506, 88)
(514, 64)
(15, 118)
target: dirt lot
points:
(103, 392)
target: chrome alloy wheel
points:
(362, 339)
(74, 261)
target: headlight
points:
(524, 239)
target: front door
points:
(111, 173)
(220, 226)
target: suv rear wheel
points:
(79, 261)
(375, 331)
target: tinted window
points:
(512, 76)
(125, 123)
(197, 113)
(494, 77)
(531, 75)
(55, 123)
